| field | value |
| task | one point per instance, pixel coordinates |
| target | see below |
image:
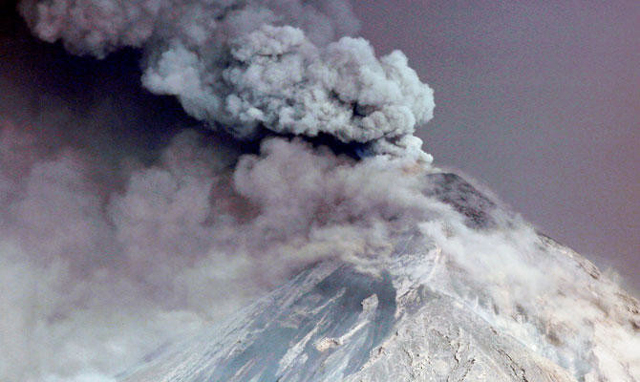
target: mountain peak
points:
(426, 316)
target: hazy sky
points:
(540, 100)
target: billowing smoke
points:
(244, 66)
(108, 249)
(120, 228)
(96, 271)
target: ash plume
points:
(109, 248)
(124, 223)
(246, 66)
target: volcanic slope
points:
(446, 306)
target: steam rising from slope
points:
(108, 249)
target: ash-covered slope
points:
(429, 315)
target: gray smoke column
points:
(108, 249)
(246, 66)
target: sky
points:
(538, 100)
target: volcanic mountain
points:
(426, 317)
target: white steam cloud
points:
(108, 249)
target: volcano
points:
(424, 318)
(235, 190)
